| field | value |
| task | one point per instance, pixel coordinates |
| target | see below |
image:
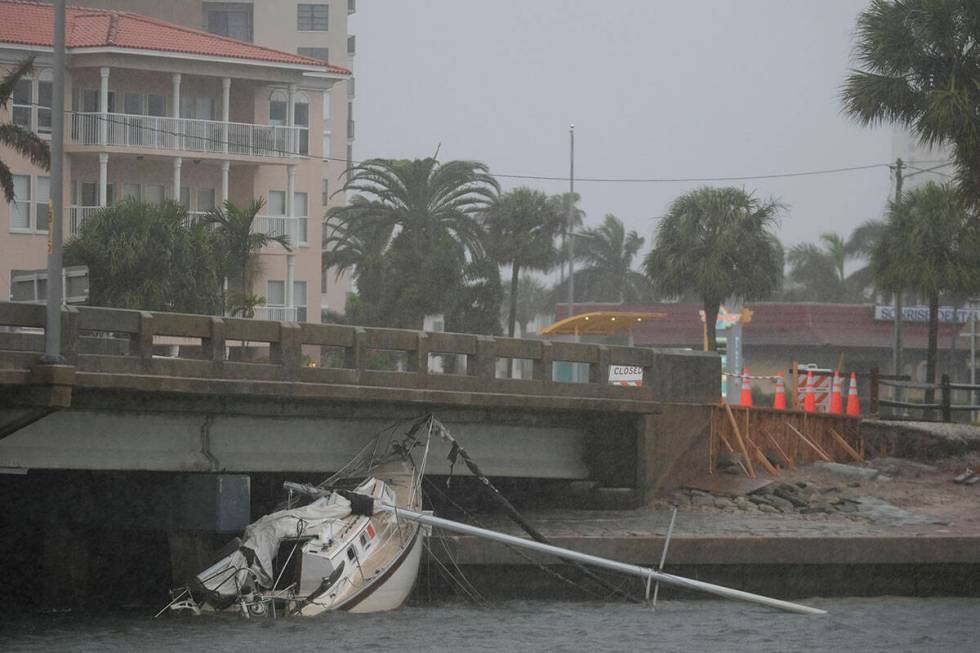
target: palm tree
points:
(920, 68)
(930, 245)
(239, 244)
(22, 141)
(860, 245)
(142, 256)
(430, 209)
(358, 247)
(819, 271)
(717, 242)
(608, 252)
(521, 229)
(533, 299)
(566, 204)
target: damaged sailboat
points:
(328, 549)
(357, 545)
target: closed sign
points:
(625, 375)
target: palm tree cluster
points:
(154, 257)
(919, 68)
(421, 237)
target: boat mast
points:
(622, 567)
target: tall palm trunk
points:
(710, 323)
(515, 270)
(933, 345)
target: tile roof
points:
(32, 23)
(777, 324)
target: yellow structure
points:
(600, 323)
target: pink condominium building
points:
(157, 110)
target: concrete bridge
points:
(163, 431)
(305, 397)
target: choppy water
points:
(865, 625)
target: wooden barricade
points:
(764, 439)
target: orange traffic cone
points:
(746, 398)
(853, 403)
(779, 403)
(809, 400)
(836, 401)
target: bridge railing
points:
(118, 341)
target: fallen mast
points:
(622, 567)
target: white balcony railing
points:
(294, 228)
(276, 313)
(76, 215)
(186, 134)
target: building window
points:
(323, 54)
(275, 293)
(41, 197)
(156, 105)
(301, 118)
(325, 146)
(23, 100)
(20, 208)
(326, 106)
(153, 193)
(205, 199)
(230, 19)
(312, 18)
(301, 209)
(324, 191)
(133, 104)
(351, 91)
(199, 107)
(45, 91)
(278, 111)
(351, 45)
(350, 156)
(299, 300)
(131, 192)
(277, 202)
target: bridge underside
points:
(127, 431)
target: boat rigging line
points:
(458, 452)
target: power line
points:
(627, 180)
(655, 180)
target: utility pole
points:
(571, 220)
(897, 347)
(55, 295)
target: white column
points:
(225, 169)
(290, 278)
(103, 179)
(175, 109)
(225, 110)
(290, 190)
(178, 162)
(104, 105)
(293, 138)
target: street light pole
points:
(55, 294)
(571, 220)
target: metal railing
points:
(276, 313)
(184, 134)
(296, 228)
(76, 215)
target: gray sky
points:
(656, 89)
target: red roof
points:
(790, 325)
(31, 23)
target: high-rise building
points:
(299, 187)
